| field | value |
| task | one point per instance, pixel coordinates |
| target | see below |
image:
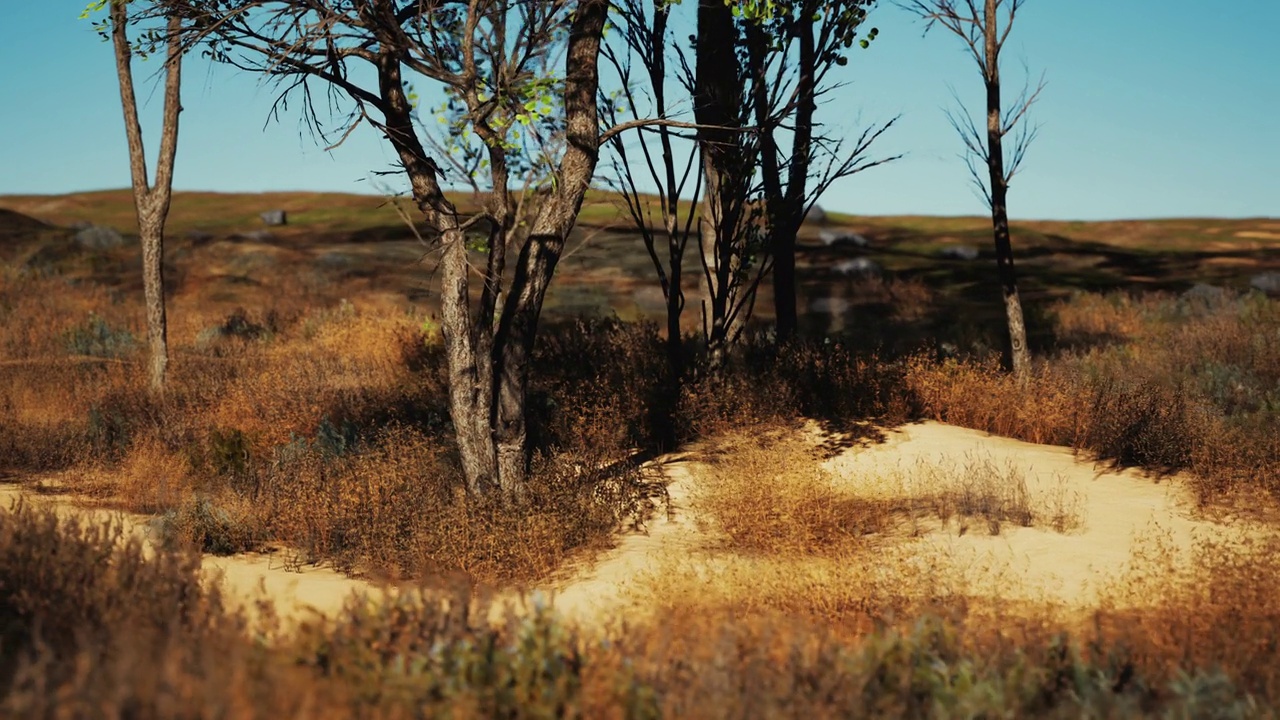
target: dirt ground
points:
(1112, 516)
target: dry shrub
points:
(396, 506)
(601, 390)
(768, 494)
(153, 478)
(764, 384)
(94, 627)
(222, 524)
(67, 585)
(1141, 424)
(1217, 610)
(980, 395)
(979, 490)
(715, 403)
(1163, 383)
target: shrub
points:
(96, 338)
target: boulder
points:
(816, 215)
(98, 237)
(865, 267)
(842, 237)
(275, 217)
(1201, 292)
(1267, 282)
(959, 252)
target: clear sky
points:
(1153, 109)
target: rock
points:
(255, 235)
(275, 217)
(959, 252)
(1267, 282)
(816, 215)
(199, 236)
(828, 306)
(98, 237)
(1204, 293)
(842, 237)
(858, 266)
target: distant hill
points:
(15, 223)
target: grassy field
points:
(307, 410)
(363, 243)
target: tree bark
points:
(151, 202)
(1016, 356)
(470, 376)
(718, 105)
(675, 243)
(792, 211)
(513, 345)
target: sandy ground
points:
(297, 592)
(1115, 512)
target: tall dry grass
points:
(325, 428)
(1160, 382)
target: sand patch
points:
(296, 592)
(1118, 512)
(1258, 235)
(1090, 528)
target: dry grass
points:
(1162, 383)
(98, 628)
(768, 494)
(307, 406)
(322, 427)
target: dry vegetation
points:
(306, 409)
(1160, 382)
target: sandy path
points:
(1118, 510)
(597, 594)
(296, 592)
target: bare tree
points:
(981, 31)
(493, 60)
(722, 214)
(151, 202)
(644, 26)
(727, 153)
(790, 49)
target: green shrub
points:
(96, 338)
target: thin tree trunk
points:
(151, 202)
(1017, 357)
(470, 385)
(675, 243)
(717, 109)
(784, 240)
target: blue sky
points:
(1153, 109)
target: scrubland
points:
(306, 414)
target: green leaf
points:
(93, 7)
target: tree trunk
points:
(675, 241)
(717, 110)
(151, 234)
(470, 376)
(1016, 356)
(151, 203)
(513, 344)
